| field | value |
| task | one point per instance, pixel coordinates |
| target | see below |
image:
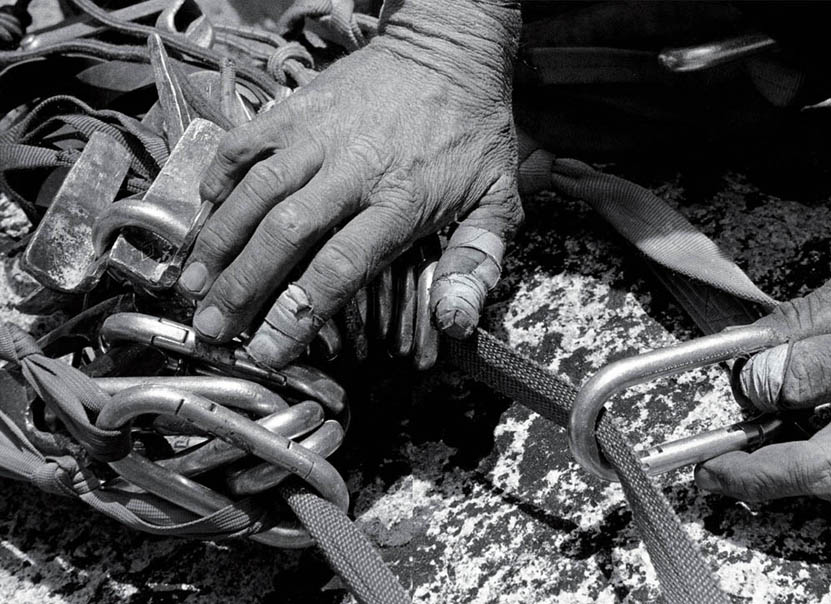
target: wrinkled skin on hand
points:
(388, 144)
(788, 377)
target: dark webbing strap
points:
(76, 398)
(348, 550)
(684, 575)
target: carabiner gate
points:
(181, 340)
(625, 373)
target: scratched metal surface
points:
(471, 498)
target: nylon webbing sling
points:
(76, 398)
(682, 571)
(684, 575)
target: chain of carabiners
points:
(194, 413)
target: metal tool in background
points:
(713, 54)
(175, 111)
(61, 253)
(625, 373)
(168, 217)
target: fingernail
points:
(273, 348)
(707, 481)
(209, 322)
(194, 277)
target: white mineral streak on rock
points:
(506, 473)
(579, 303)
(394, 515)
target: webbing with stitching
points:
(682, 571)
(75, 398)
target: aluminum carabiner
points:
(230, 392)
(625, 373)
(181, 340)
(293, 422)
(235, 430)
(324, 441)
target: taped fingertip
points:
(762, 377)
(273, 349)
(289, 327)
(456, 317)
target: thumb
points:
(790, 376)
(470, 266)
(798, 374)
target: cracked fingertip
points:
(271, 348)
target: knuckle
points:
(339, 269)
(517, 212)
(214, 239)
(271, 175)
(742, 486)
(737, 482)
(398, 220)
(258, 185)
(819, 481)
(753, 490)
(235, 289)
(345, 257)
(374, 158)
(288, 225)
(232, 148)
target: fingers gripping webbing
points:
(683, 573)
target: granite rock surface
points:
(474, 499)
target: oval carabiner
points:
(625, 373)
(249, 481)
(231, 392)
(292, 423)
(181, 340)
(232, 428)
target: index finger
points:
(240, 149)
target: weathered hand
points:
(387, 145)
(788, 377)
